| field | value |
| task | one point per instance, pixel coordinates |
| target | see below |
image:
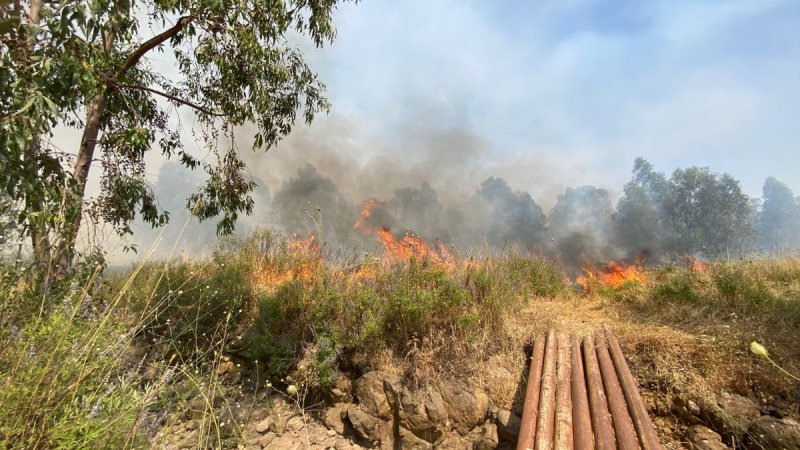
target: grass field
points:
(98, 360)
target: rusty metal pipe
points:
(623, 426)
(601, 421)
(644, 427)
(547, 399)
(581, 420)
(563, 413)
(530, 408)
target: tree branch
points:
(152, 43)
(168, 96)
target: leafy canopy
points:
(234, 63)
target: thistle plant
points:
(760, 350)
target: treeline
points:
(695, 211)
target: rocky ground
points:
(376, 411)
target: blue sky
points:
(559, 93)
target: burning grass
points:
(284, 308)
(614, 275)
(458, 313)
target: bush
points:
(677, 284)
(537, 275)
(189, 306)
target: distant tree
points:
(655, 184)
(85, 64)
(514, 217)
(639, 224)
(310, 203)
(708, 213)
(173, 185)
(420, 210)
(779, 220)
(580, 226)
(585, 208)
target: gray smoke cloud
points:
(431, 176)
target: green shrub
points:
(63, 386)
(189, 306)
(539, 275)
(676, 284)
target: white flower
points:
(291, 389)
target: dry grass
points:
(284, 309)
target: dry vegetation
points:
(100, 367)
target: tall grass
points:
(110, 358)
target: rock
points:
(342, 444)
(465, 407)
(409, 440)
(263, 426)
(295, 424)
(366, 425)
(332, 418)
(369, 390)
(317, 435)
(266, 439)
(508, 425)
(279, 422)
(733, 416)
(258, 413)
(685, 409)
(421, 412)
(284, 442)
(454, 442)
(488, 438)
(702, 438)
(773, 433)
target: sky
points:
(547, 94)
(566, 92)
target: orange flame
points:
(304, 246)
(395, 248)
(363, 215)
(304, 265)
(695, 265)
(612, 274)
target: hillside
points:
(275, 343)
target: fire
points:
(306, 262)
(304, 246)
(405, 247)
(612, 274)
(695, 265)
(363, 215)
(395, 248)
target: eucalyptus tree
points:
(708, 213)
(779, 219)
(639, 223)
(89, 64)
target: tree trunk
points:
(40, 239)
(95, 111)
(72, 221)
